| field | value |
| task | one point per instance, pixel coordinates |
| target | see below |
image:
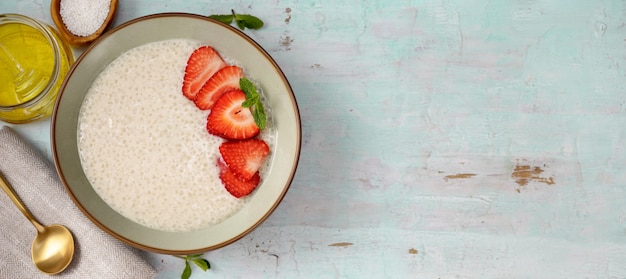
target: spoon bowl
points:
(75, 40)
(53, 247)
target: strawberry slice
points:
(228, 119)
(244, 158)
(201, 65)
(224, 80)
(234, 185)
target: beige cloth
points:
(34, 179)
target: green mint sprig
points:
(253, 100)
(243, 21)
(197, 260)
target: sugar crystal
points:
(84, 17)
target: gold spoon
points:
(53, 248)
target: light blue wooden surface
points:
(441, 139)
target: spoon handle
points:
(20, 205)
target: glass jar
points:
(33, 63)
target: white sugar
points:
(84, 17)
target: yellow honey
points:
(33, 64)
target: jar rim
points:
(56, 50)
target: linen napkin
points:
(34, 179)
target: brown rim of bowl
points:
(130, 242)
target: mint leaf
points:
(226, 19)
(196, 259)
(187, 271)
(240, 24)
(202, 263)
(243, 21)
(193, 257)
(248, 21)
(248, 88)
(259, 116)
(248, 103)
(253, 100)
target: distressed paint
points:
(341, 244)
(441, 139)
(523, 174)
(459, 176)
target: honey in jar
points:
(33, 64)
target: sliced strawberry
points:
(226, 79)
(228, 119)
(234, 185)
(201, 65)
(244, 158)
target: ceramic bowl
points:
(231, 43)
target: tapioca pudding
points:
(145, 148)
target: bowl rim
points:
(271, 209)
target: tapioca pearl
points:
(187, 146)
